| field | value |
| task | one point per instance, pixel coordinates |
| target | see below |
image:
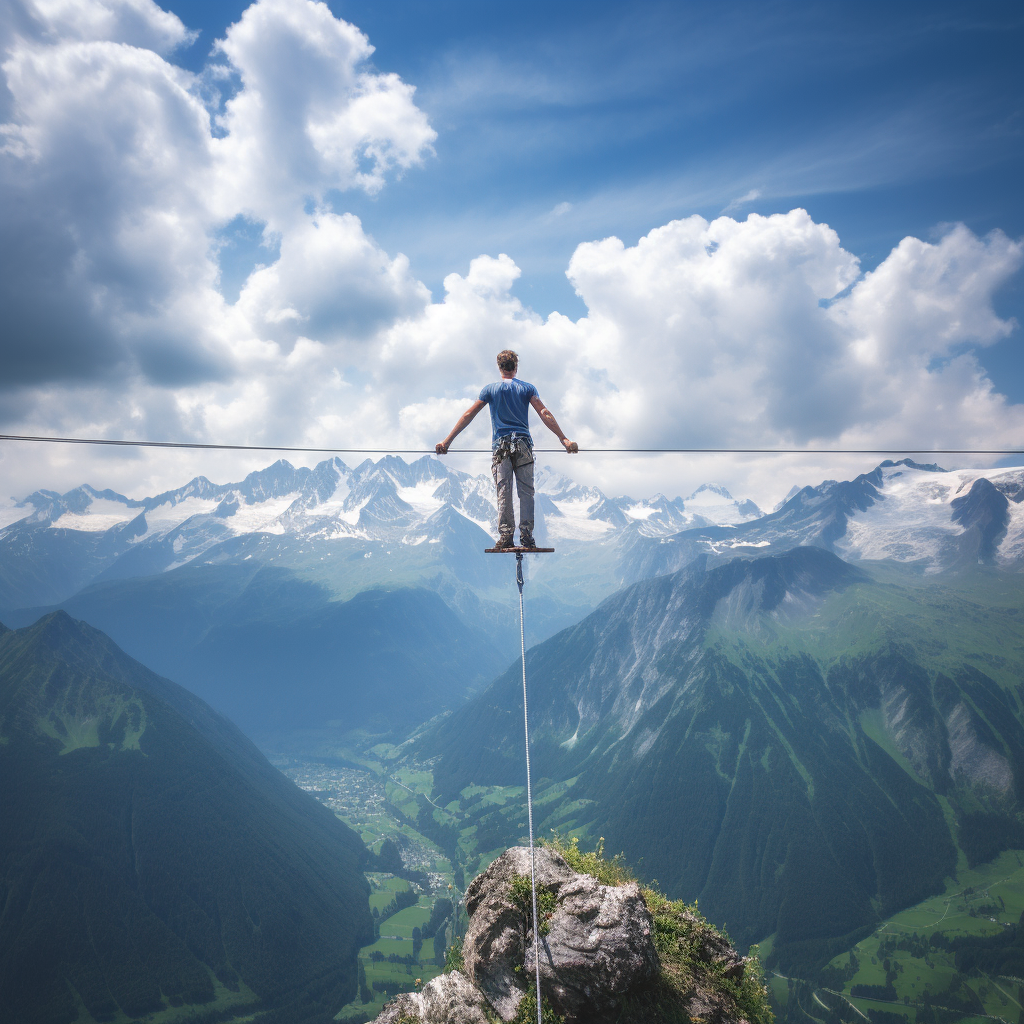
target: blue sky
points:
(882, 120)
(231, 221)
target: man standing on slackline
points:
(511, 445)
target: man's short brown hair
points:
(508, 361)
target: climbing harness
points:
(526, 733)
(512, 446)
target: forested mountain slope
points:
(798, 742)
(150, 857)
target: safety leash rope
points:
(529, 791)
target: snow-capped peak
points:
(709, 494)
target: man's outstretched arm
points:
(549, 421)
(464, 421)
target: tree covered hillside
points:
(150, 857)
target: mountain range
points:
(304, 598)
(381, 524)
(392, 523)
(805, 718)
(257, 594)
(901, 512)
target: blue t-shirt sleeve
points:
(485, 393)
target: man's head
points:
(508, 362)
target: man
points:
(511, 445)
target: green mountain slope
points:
(150, 857)
(800, 744)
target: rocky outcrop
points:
(448, 999)
(598, 947)
(496, 940)
(598, 959)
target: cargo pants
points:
(512, 455)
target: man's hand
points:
(570, 446)
(441, 447)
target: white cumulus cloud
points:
(118, 179)
(136, 22)
(120, 173)
(310, 115)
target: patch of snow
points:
(166, 517)
(485, 524)
(260, 517)
(101, 515)
(421, 497)
(914, 519)
(641, 512)
(576, 523)
(1012, 547)
(345, 532)
(714, 503)
(722, 515)
(351, 515)
(331, 506)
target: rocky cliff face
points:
(605, 955)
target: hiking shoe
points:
(526, 539)
(504, 542)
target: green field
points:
(984, 901)
(402, 787)
(384, 889)
(404, 921)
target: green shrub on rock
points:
(453, 957)
(527, 1012)
(521, 892)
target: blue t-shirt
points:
(509, 401)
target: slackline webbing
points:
(121, 443)
(529, 791)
